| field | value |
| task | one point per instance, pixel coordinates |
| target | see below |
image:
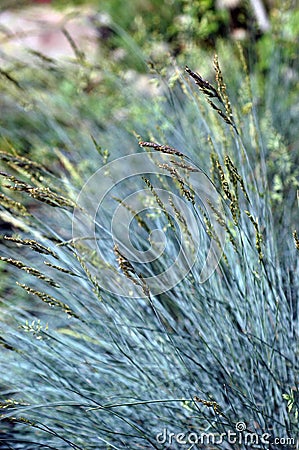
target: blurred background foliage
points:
(52, 109)
(130, 34)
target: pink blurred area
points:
(40, 28)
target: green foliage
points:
(292, 400)
(178, 24)
(84, 368)
(198, 356)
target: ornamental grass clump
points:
(160, 303)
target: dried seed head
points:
(205, 86)
(42, 194)
(296, 239)
(222, 89)
(96, 287)
(129, 271)
(210, 404)
(51, 301)
(159, 202)
(34, 170)
(258, 235)
(30, 270)
(184, 166)
(235, 176)
(61, 269)
(180, 218)
(36, 246)
(162, 148)
(13, 205)
(174, 173)
(210, 92)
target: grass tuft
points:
(95, 355)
